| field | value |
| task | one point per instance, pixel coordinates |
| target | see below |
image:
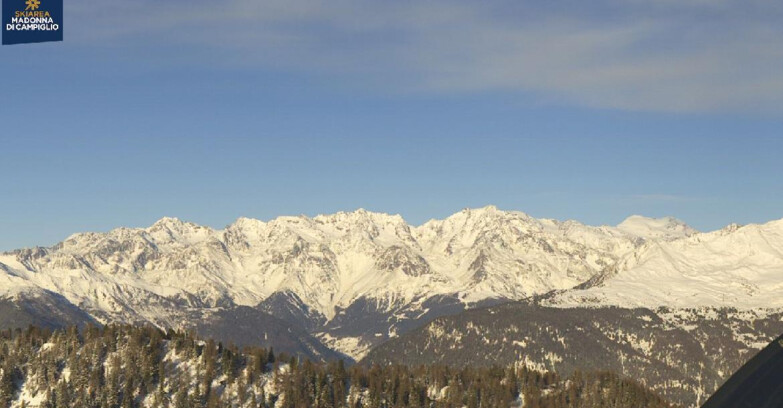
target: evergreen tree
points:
(123, 366)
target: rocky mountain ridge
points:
(356, 279)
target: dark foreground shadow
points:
(758, 384)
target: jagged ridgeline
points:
(126, 366)
(653, 299)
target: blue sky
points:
(213, 110)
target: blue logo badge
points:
(32, 21)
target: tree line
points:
(120, 366)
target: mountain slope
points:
(683, 355)
(247, 326)
(357, 279)
(756, 384)
(313, 271)
(42, 309)
(128, 366)
(738, 266)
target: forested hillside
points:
(683, 355)
(125, 366)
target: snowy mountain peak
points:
(174, 224)
(666, 228)
(334, 262)
(730, 228)
(168, 221)
(359, 215)
(489, 215)
(169, 229)
(731, 267)
(488, 212)
(482, 210)
(245, 223)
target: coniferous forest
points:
(127, 367)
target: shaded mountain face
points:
(238, 325)
(366, 323)
(247, 326)
(758, 384)
(42, 309)
(681, 354)
(287, 306)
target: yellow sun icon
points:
(32, 4)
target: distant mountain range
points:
(344, 283)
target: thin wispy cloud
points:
(671, 56)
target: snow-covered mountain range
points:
(357, 278)
(737, 266)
